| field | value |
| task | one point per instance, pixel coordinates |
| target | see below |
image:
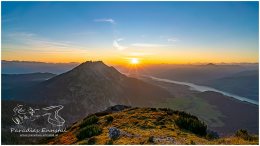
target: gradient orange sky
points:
(178, 33)
(114, 57)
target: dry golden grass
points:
(140, 124)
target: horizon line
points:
(195, 63)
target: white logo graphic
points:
(23, 113)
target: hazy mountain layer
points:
(243, 83)
(13, 83)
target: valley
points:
(217, 110)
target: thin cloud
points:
(37, 43)
(109, 20)
(33, 39)
(141, 53)
(24, 35)
(169, 38)
(149, 45)
(117, 45)
(172, 39)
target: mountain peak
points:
(92, 70)
(93, 63)
(210, 64)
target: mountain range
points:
(91, 87)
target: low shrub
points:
(191, 123)
(142, 118)
(192, 142)
(159, 121)
(151, 139)
(212, 135)
(135, 122)
(89, 131)
(243, 134)
(109, 142)
(162, 126)
(146, 125)
(92, 141)
(159, 118)
(184, 114)
(88, 121)
(143, 127)
(109, 119)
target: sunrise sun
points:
(134, 61)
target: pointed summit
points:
(97, 69)
(93, 64)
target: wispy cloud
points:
(109, 20)
(33, 42)
(172, 39)
(117, 45)
(149, 45)
(21, 35)
(89, 33)
(169, 38)
(141, 53)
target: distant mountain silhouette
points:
(24, 67)
(211, 64)
(243, 83)
(92, 87)
(12, 83)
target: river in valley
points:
(204, 88)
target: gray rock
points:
(113, 132)
(168, 140)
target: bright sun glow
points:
(134, 61)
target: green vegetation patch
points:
(244, 135)
(109, 119)
(89, 131)
(190, 123)
(109, 142)
(92, 141)
(88, 121)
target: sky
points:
(115, 32)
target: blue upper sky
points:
(138, 28)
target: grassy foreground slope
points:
(145, 126)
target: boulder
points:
(113, 132)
